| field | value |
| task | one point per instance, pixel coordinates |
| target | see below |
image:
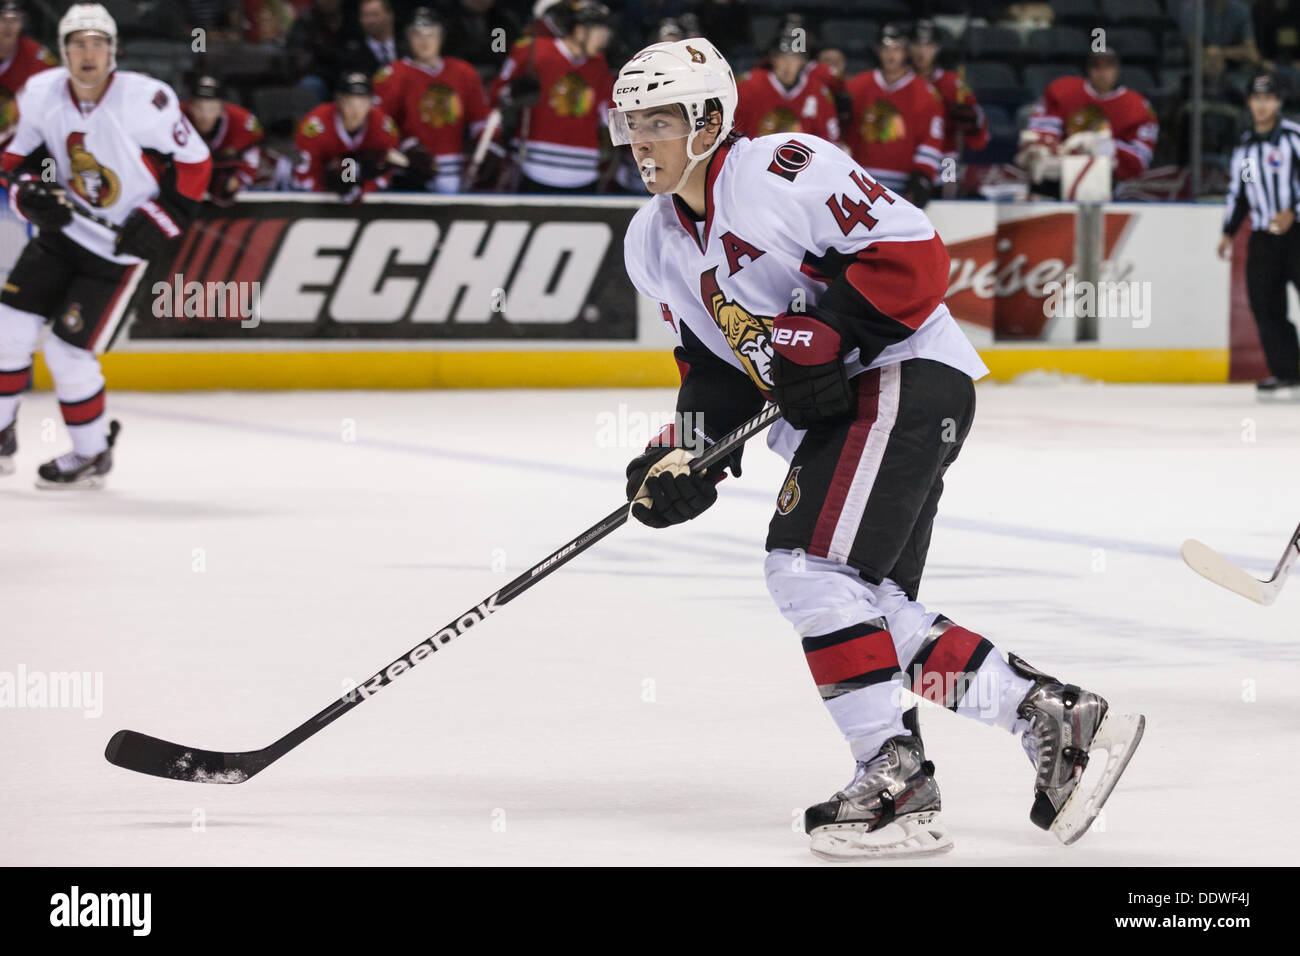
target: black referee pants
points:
(1271, 262)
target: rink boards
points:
(292, 291)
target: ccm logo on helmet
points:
(624, 90)
(787, 336)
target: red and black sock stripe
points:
(15, 382)
(945, 666)
(851, 658)
(83, 412)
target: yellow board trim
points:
(184, 371)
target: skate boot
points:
(1066, 724)
(8, 448)
(79, 471)
(890, 809)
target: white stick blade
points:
(1211, 566)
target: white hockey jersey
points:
(99, 153)
(786, 215)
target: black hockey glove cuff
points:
(663, 489)
(45, 206)
(809, 380)
(918, 190)
(149, 232)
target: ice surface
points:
(645, 704)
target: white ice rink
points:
(646, 704)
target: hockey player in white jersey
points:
(115, 144)
(786, 273)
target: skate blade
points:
(1118, 736)
(913, 835)
(89, 483)
(1281, 396)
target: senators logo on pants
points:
(789, 496)
(98, 185)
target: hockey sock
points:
(12, 385)
(962, 671)
(85, 421)
(856, 670)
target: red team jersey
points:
(323, 142)
(1070, 105)
(235, 144)
(830, 79)
(897, 127)
(953, 90)
(438, 106)
(28, 58)
(768, 107)
(562, 141)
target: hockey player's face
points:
(923, 55)
(787, 66)
(426, 45)
(658, 138)
(593, 39)
(1103, 75)
(88, 57)
(893, 57)
(353, 109)
(205, 114)
(11, 24)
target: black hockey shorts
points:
(84, 295)
(865, 492)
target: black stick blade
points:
(145, 754)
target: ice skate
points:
(8, 448)
(79, 471)
(1273, 389)
(1067, 724)
(889, 810)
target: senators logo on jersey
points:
(572, 96)
(96, 184)
(749, 335)
(440, 106)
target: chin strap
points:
(694, 160)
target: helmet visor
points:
(650, 125)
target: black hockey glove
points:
(149, 232)
(809, 380)
(663, 489)
(918, 190)
(45, 206)
(962, 118)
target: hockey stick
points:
(490, 127)
(145, 754)
(1213, 566)
(6, 181)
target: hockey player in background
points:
(556, 91)
(786, 272)
(437, 102)
(344, 146)
(233, 136)
(964, 124)
(116, 143)
(787, 96)
(897, 131)
(1091, 115)
(20, 58)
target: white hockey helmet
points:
(91, 17)
(689, 73)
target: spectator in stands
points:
(20, 57)
(219, 19)
(472, 31)
(267, 21)
(897, 130)
(1090, 115)
(787, 96)
(964, 124)
(333, 40)
(561, 89)
(438, 104)
(1277, 31)
(234, 137)
(1227, 24)
(380, 40)
(1221, 105)
(346, 147)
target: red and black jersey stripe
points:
(851, 658)
(945, 666)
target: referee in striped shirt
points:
(1265, 182)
